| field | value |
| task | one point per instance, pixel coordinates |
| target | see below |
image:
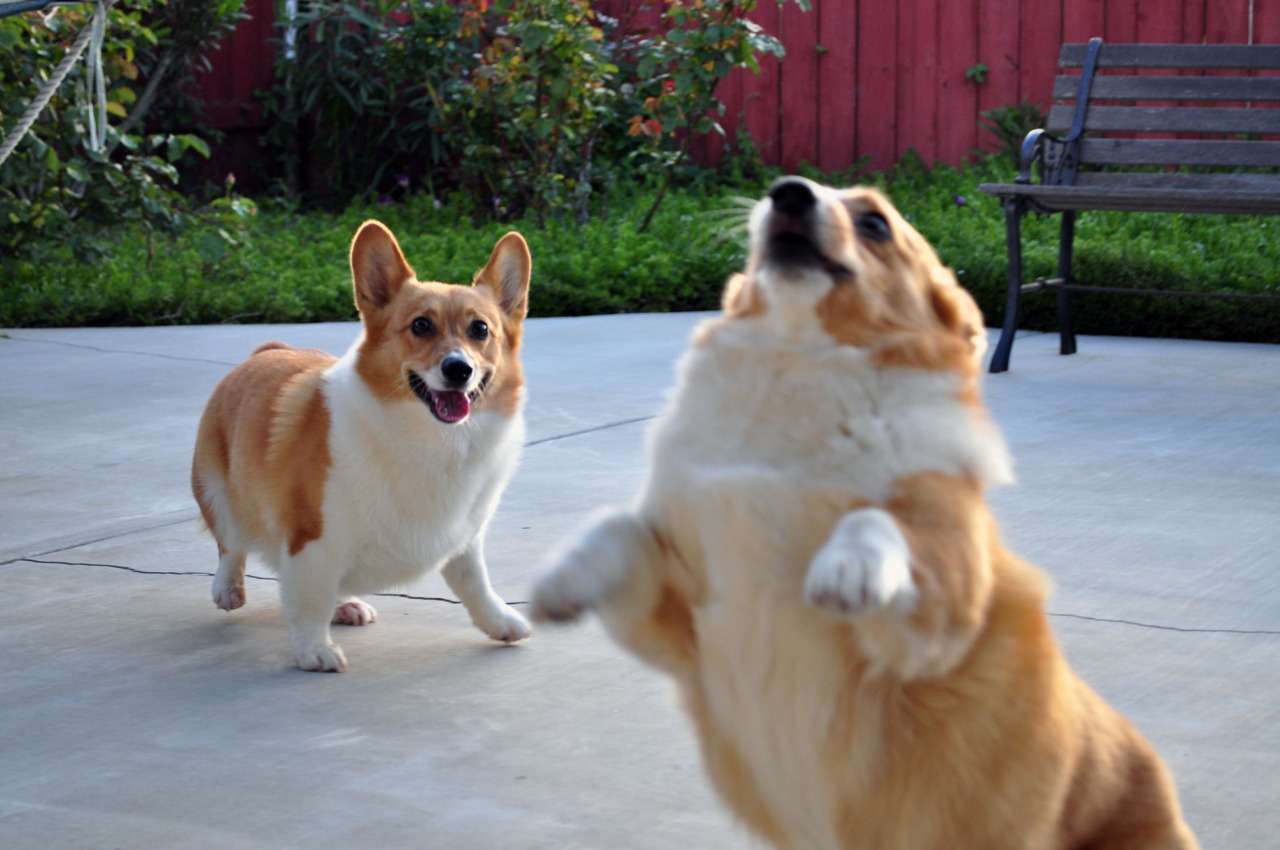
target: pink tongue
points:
(451, 405)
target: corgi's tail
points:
(269, 346)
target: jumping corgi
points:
(812, 559)
(354, 474)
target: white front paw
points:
(504, 623)
(864, 566)
(563, 594)
(590, 570)
(323, 658)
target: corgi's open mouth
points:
(791, 245)
(449, 406)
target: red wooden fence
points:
(862, 78)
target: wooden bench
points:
(1071, 152)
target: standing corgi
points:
(813, 561)
(351, 475)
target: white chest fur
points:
(818, 415)
(406, 491)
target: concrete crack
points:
(1134, 623)
(119, 350)
(1165, 628)
(209, 574)
(591, 430)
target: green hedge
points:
(293, 268)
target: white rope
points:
(45, 94)
(95, 81)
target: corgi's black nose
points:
(456, 370)
(792, 197)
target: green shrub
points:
(57, 178)
(294, 265)
(523, 105)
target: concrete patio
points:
(133, 714)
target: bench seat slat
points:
(1256, 56)
(1137, 199)
(1157, 119)
(1180, 152)
(1172, 88)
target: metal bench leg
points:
(1014, 210)
(1066, 334)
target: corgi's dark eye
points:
(478, 330)
(873, 226)
(422, 326)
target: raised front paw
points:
(865, 566)
(562, 595)
(586, 573)
(322, 658)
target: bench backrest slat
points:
(1254, 56)
(1219, 106)
(1180, 152)
(1159, 119)
(1172, 88)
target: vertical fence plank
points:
(877, 82)
(1122, 20)
(957, 95)
(1083, 19)
(799, 87)
(760, 93)
(837, 84)
(1041, 42)
(1226, 22)
(1001, 51)
(918, 78)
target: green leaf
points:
(196, 144)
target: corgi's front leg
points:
(913, 578)
(865, 565)
(619, 568)
(309, 596)
(613, 546)
(468, 577)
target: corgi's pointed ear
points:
(507, 275)
(378, 267)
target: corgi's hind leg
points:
(228, 582)
(354, 611)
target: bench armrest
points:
(1032, 150)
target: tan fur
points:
(956, 726)
(264, 433)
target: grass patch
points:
(293, 268)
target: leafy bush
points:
(56, 176)
(677, 69)
(1010, 125)
(523, 105)
(295, 266)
